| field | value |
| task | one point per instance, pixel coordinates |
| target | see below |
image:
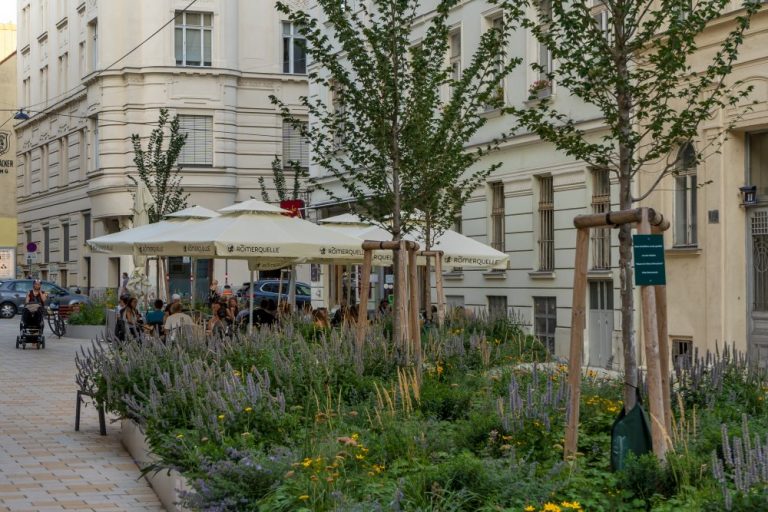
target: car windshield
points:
(52, 289)
(302, 289)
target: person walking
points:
(123, 285)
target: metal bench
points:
(99, 408)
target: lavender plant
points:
(544, 398)
(743, 466)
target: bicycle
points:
(55, 321)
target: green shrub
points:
(89, 314)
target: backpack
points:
(120, 326)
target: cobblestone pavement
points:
(44, 464)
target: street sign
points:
(31, 247)
(31, 258)
(294, 206)
(649, 260)
(7, 262)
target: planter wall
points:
(167, 486)
(86, 332)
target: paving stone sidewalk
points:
(44, 464)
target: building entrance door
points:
(757, 266)
(600, 323)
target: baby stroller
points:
(32, 324)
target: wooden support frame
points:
(408, 290)
(654, 307)
(439, 289)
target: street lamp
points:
(748, 195)
(21, 115)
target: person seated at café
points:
(340, 314)
(176, 321)
(232, 310)
(217, 323)
(213, 293)
(261, 315)
(320, 319)
(154, 319)
(175, 299)
(383, 310)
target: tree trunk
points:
(427, 281)
(624, 111)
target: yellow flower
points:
(221, 417)
(439, 370)
(551, 507)
(530, 508)
(359, 456)
(249, 409)
(573, 505)
(355, 436)
(245, 434)
(236, 373)
(304, 497)
(179, 436)
(306, 462)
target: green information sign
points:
(649, 260)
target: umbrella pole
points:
(251, 291)
(292, 288)
(192, 272)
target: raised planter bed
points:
(167, 486)
(87, 332)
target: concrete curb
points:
(167, 486)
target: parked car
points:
(269, 288)
(13, 293)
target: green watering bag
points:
(631, 432)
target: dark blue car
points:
(269, 289)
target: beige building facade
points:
(92, 73)
(717, 250)
(7, 151)
(526, 208)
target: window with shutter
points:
(295, 147)
(198, 149)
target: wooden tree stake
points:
(578, 323)
(362, 311)
(413, 283)
(664, 352)
(439, 288)
(651, 338)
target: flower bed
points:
(282, 421)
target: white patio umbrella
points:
(458, 250)
(260, 233)
(124, 242)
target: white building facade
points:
(527, 206)
(92, 73)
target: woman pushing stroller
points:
(32, 316)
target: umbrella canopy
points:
(255, 230)
(458, 250)
(124, 242)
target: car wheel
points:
(7, 310)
